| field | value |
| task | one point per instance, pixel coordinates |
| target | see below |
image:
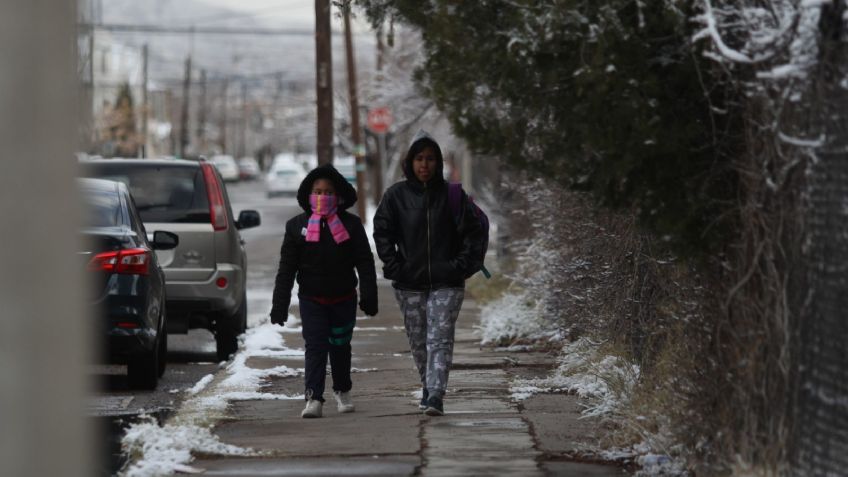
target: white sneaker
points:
(312, 409)
(343, 402)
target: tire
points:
(143, 371)
(163, 351)
(227, 329)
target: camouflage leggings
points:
(430, 321)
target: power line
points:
(231, 15)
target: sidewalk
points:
(482, 433)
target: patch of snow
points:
(605, 382)
(514, 349)
(167, 449)
(201, 385)
(522, 392)
(509, 317)
(660, 464)
(163, 450)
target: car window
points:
(135, 221)
(102, 208)
(161, 193)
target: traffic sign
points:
(379, 120)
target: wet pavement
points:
(482, 433)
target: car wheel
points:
(143, 371)
(227, 329)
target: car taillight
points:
(217, 208)
(133, 261)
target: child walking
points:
(325, 248)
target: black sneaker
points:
(423, 404)
(434, 407)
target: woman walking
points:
(321, 248)
(427, 252)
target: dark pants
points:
(327, 329)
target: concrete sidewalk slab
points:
(348, 466)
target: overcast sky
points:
(284, 13)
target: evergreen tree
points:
(602, 95)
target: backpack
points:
(454, 202)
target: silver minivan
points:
(205, 275)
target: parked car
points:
(127, 281)
(226, 166)
(284, 178)
(248, 169)
(206, 274)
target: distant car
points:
(226, 166)
(346, 165)
(127, 281)
(248, 169)
(284, 157)
(284, 178)
(206, 273)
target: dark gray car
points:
(206, 274)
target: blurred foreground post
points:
(43, 333)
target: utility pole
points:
(243, 123)
(381, 48)
(184, 131)
(145, 106)
(377, 159)
(356, 130)
(222, 140)
(201, 115)
(324, 82)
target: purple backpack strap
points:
(455, 199)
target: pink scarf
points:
(325, 206)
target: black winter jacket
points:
(325, 269)
(420, 242)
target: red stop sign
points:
(379, 120)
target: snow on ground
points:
(201, 385)
(163, 450)
(605, 382)
(370, 210)
(510, 317)
(167, 449)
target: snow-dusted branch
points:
(711, 31)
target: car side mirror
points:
(165, 240)
(248, 219)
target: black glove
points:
(369, 308)
(279, 317)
